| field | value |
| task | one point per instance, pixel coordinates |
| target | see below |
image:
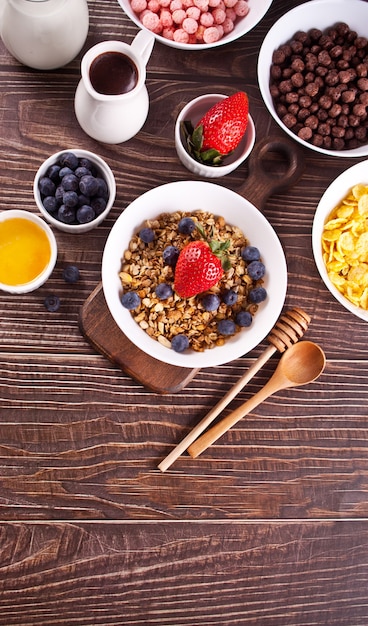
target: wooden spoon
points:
(289, 328)
(300, 364)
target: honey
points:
(25, 251)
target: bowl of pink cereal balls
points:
(196, 24)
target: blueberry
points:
(50, 203)
(179, 343)
(210, 302)
(243, 318)
(66, 214)
(130, 300)
(229, 297)
(88, 185)
(163, 291)
(69, 159)
(83, 200)
(71, 274)
(52, 303)
(70, 182)
(82, 171)
(98, 204)
(170, 255)
(256, 270)
(226, 327)
(46, 186)
(87, 163)
(147, 235)
(59, 192)
(103, 189)
(257, 295)
(70, 199)
(85, 214)
(53, 173)
(65, 171)
(250, 253)
(186, 226)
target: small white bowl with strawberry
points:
(214, 134)
(197, 261)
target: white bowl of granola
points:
(131, 265)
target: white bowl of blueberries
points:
(74, 190)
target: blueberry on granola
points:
(256, 270)
(163, 291)
(179, 343)
(130, 300)
(257, 295)
(210, 302)
(226, 327)
(146, 235)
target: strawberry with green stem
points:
(200, 266)
(219, 131)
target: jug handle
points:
(142, 44)
(2, 9)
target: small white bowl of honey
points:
(28, 251)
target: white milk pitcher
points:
(111, 100)
(44, 34)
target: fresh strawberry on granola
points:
(200, 266)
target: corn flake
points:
(345, 246)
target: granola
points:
(143, 268)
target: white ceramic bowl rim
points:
(333, 195)
(258, 9)
(312, 14)
(43, 276)
(104, 169)
(236, 210)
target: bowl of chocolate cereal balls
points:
(313, 75)
(193, 274)
(196, 25)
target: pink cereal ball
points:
(178, 16)
(166, 18)
(241, 8)
(211, 35)
(230, 3)
(214, 3)
(199, 33)
(193, 12)
(219, 16)
(190, 25)
(228, 26)
(220, 29)
(231, 15)
(151, 21)
(201, 4)
(138, 5)
(165, 3)
(187, 4)
(154, 6)
(206, 19)
(175, 5)
(181, 36)
(168, 33)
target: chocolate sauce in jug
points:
(113, 73)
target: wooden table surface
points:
(269, 527)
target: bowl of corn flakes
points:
(340, 239)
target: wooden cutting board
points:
(265, 177)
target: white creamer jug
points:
(111, 101)
(44, 34)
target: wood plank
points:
(184, 574)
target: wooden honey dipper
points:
(289, 328)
